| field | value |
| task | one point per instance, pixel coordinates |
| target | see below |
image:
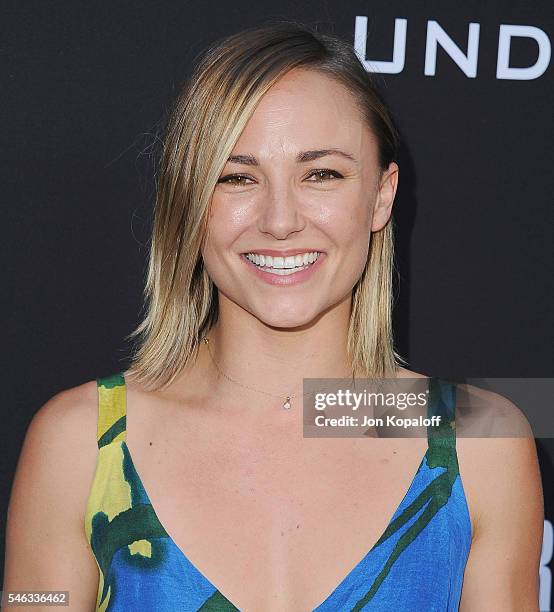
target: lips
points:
(284, 276)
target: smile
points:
(283, 266)
(284, 270)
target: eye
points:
(234, 179)
(324, 171)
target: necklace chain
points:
(287, 401)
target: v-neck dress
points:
(416, 565)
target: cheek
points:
(230, 214)
(226, 222)
(351, 234)
(349, 224)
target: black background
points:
(85, 92)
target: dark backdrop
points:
(85, 90)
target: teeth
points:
(287, 264)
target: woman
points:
(189, 471)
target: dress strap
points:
(112, 419)
(442, 402)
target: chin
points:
(285, 318)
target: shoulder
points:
(60, 442)
(496, 452)
(498, 461)
(495, 445)
(58, 455)
(66, 414)
(481, 413)
(63, 429)
(500, 473)
(47, 503)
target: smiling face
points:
(291, 214)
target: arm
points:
(502, 572)
(46, 546)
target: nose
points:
(281, 213)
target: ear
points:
(388, 183)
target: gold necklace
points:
(287, 401)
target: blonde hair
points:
(181, 302)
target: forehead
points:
(306, 109)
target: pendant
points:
(286, 405)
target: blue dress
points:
(417, 565)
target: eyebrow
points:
(302, 157)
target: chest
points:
(274, 521)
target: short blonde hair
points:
(181, 301)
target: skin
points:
(239, 454)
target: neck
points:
(259, 358)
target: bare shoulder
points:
(495, 448)
(481, 413)
(501, 479)
(497, 455)
(64, 430)
(499, 469)
(61, 438)
(67, 413)
(45, 536)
